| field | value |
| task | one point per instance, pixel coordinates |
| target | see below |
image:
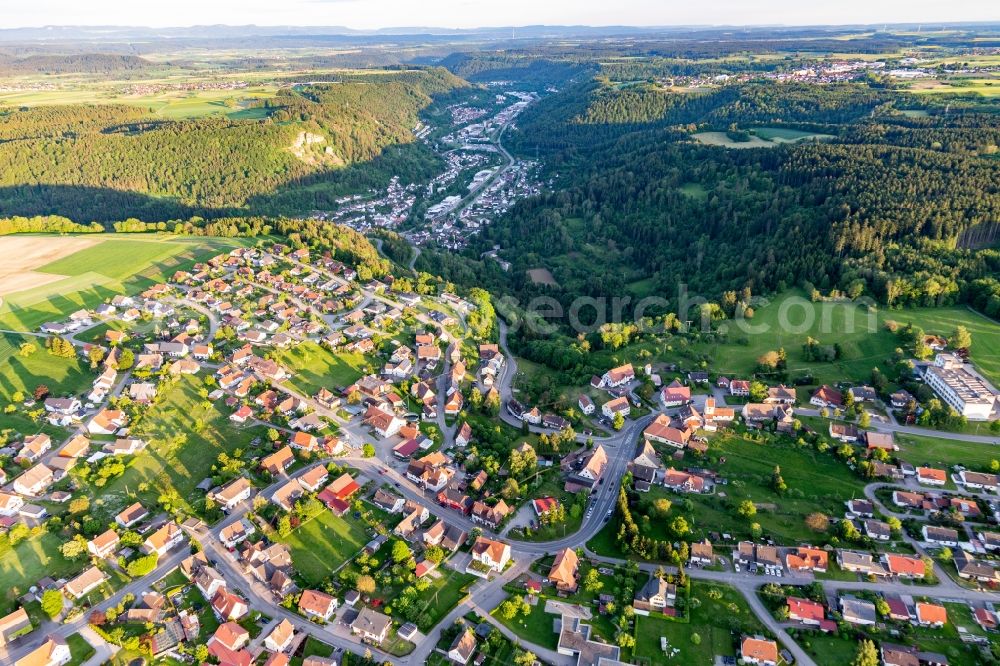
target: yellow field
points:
(23, 254)
(984, 87)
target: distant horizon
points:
(472, 15)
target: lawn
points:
(442, 595)
(28, 561)
(311, 648)
(80, 650)
(828, 649)
(536, 627)
(315, 367)
(186, 433)
(938, 452)
(63, 376)
(321, 545)
(718, 621)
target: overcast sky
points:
(479, 13)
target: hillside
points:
(112, 162)
(881, 204)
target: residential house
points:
(564, 571)
(313, 478)
(826, 396)
(756, 650)
(943, 536)
(805, 558)
(616, 406)
(929, 476)
(491, 516)
(904, 566)
(655, 596)
(236, 533)
(589, 474)
(53, 652)
(231, 494)
(702, 553)
(858, 611)
(489, 554)
(805, 611)
(314, 603)
(286, 495)
(371, 625)
(34, 481)
(13, 625)
(931, 615)
(131, 515)
(863, 563)
(90, 579)
(660, 430)
(103, 545)
(107, 422)
(229, 606)
(674, 394)
(619, 376)
(163, 539)
(277, 463)
(280, 638)
(462, 647)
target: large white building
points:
(968, 394)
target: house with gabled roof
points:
(757, 650)
(619, 376)
(564, 571)
(317, 604)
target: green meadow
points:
(23, 565)
(186, 434)
(322, 544)
(314, 367)
(63, 376)
(862, 337)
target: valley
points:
(564, 346)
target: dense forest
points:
(84, 63)
(892, 206)
(111, 162)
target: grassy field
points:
(315, 367)
(979, 87)
(938, 452)
(828, 649)
(817, 482)
(787, 135)
(722, 139)
(717, 621)
(80, 650)
(186, 434)
(115, 259)
(848, 326)
(63, 376)
(442, 595)
(87, 286)
(536, 627)
(168, 104)
(28, 561)
(322, 544)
